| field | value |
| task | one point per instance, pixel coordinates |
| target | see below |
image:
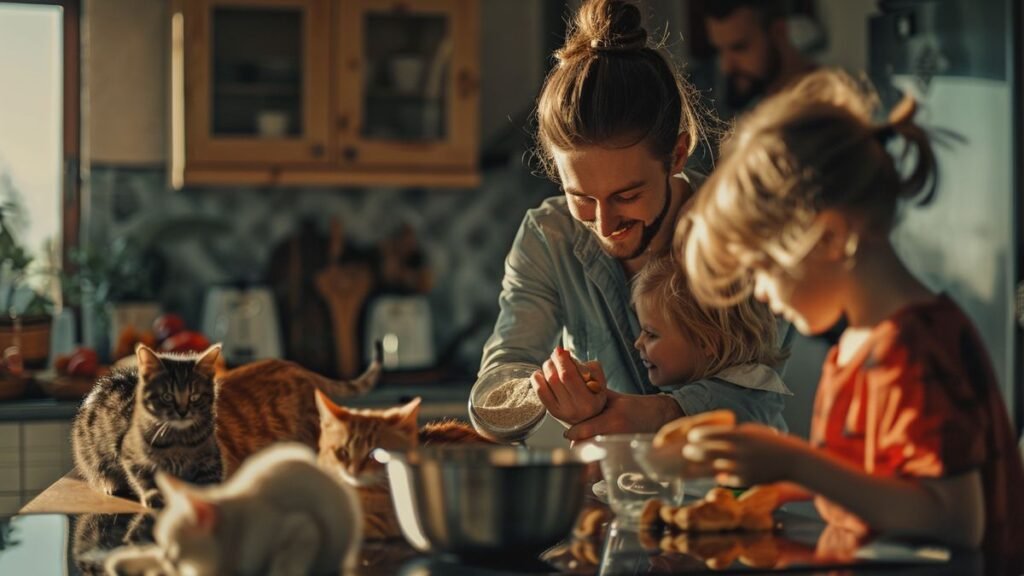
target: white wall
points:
(846, 22)
(125, 79)
(512, 64)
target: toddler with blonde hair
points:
(708, 358)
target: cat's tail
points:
(361, 384)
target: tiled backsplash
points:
(465, 233)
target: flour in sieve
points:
(511, 405)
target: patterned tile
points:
(465, 234)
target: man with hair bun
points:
(616, 124)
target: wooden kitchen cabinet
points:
(325, 92)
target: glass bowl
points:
(628, 483)
(483, 419)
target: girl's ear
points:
(836, 233)
(681, 153)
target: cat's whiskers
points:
(160, 431)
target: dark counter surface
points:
(83, 525)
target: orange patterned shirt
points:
(920, 399)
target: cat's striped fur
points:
(158, 416)
(272, 401)
(348, 436)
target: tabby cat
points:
(158, 416)
(95, 535)
(280, 514)
(348, 436)
(167, 414)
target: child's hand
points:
(745, 455)
(562, 386)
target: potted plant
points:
(25, 318)
(116, 286)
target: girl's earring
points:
(850, 251)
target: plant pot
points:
(31, 334)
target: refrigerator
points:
(961, 60)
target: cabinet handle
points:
(317, 150)
(350, 153)
(342, 123)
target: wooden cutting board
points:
(345, 288)
(305, 318)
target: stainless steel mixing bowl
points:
(487, 500)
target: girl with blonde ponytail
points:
(910, 434)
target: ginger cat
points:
(348, 436)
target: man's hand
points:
(628, 413)
(563, 390)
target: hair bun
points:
(605, 26)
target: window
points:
(39, 132)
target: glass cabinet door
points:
(408, 83)
(257, 81)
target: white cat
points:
(278, 515)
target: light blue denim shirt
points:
(560, 286)
(754, 393)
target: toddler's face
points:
(670, 356)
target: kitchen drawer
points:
(10, 479)
(48, 456)
(9, 504)
(10, 436)
(10, 457)
(46, 435)
(40, 477)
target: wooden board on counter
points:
(71, 495)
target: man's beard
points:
(737, 99)
(649, 231)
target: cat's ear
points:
(149, 362)
(329, 411)
(205, 512)
(178, 492)
(409, 413)
(206, 365)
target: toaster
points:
(244, 320)
(402, 323)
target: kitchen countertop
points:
(69, 512)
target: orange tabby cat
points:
(272, 401)
(348, 436)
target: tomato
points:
(186, 341)
(167, 325)
(83, 362)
